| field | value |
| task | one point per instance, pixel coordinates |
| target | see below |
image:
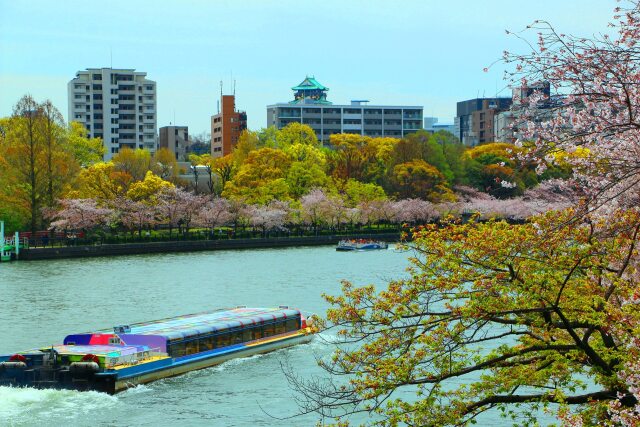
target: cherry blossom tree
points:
(596, 118)
(267, 217)
(79, 215)
(214, 213)
(178, 207)
(316, 208)
(136, 215)
(414, 211)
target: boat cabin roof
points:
(179, 327)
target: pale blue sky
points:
(429, 53)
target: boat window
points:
(257, 332)
(207, 343)
(191, 347)
(236, 337)
(222, 340)
(247, 335)
(177, 349)
(268, 330)
(292, 325)
(280, 329)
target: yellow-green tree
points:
(86, 151)
(419, 179)
(148, 189)
(261, 178)
(133, 162)
(103, 182)
(296, 133)
(165, 164)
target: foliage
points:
(421, 179)
(149, 189)
(136, 162)
(490, 309)
(86, 151)
(296, 133)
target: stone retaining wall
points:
(189, 246)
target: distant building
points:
(176, 139)
(117, 105)
(311, 107)
(474, 123)
(431, 125)
(505, 122)
(226, 127)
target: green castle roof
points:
(310, 83)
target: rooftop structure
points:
(311, 107)
(310, 92)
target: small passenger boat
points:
(360, 245)
(114, 360)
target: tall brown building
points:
(226, 127)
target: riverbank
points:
(35, 254)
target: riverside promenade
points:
(98, 250)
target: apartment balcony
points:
(392, 114)
(347, 127)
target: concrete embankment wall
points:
(189, 246)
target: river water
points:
(42, 301)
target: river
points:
(42, 301)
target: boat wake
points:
(29, 406)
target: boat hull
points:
(114, 381)
(203, 362)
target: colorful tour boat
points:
(114, 360)
(360, 245)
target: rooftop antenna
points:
(234, 87)
(218, 104)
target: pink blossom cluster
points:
(178, 208)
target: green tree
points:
(261, 178)
(133, 162)
(357, 192)
(296, 133)
(494, 316)
(86, 151)
(419, 179)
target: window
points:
(97, 87)
(148, 87)
(269, 330)
(280, 328)
(207, 343)
(191, 347)
(96, 77)
(97, 96)
(97, 116)
(78, 116)
(78, 96)
(223, 340)
(176, 349)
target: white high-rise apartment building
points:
(117, 105)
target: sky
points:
(429, 53)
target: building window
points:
(97, 87)
(96, 77)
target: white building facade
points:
(117, 105)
